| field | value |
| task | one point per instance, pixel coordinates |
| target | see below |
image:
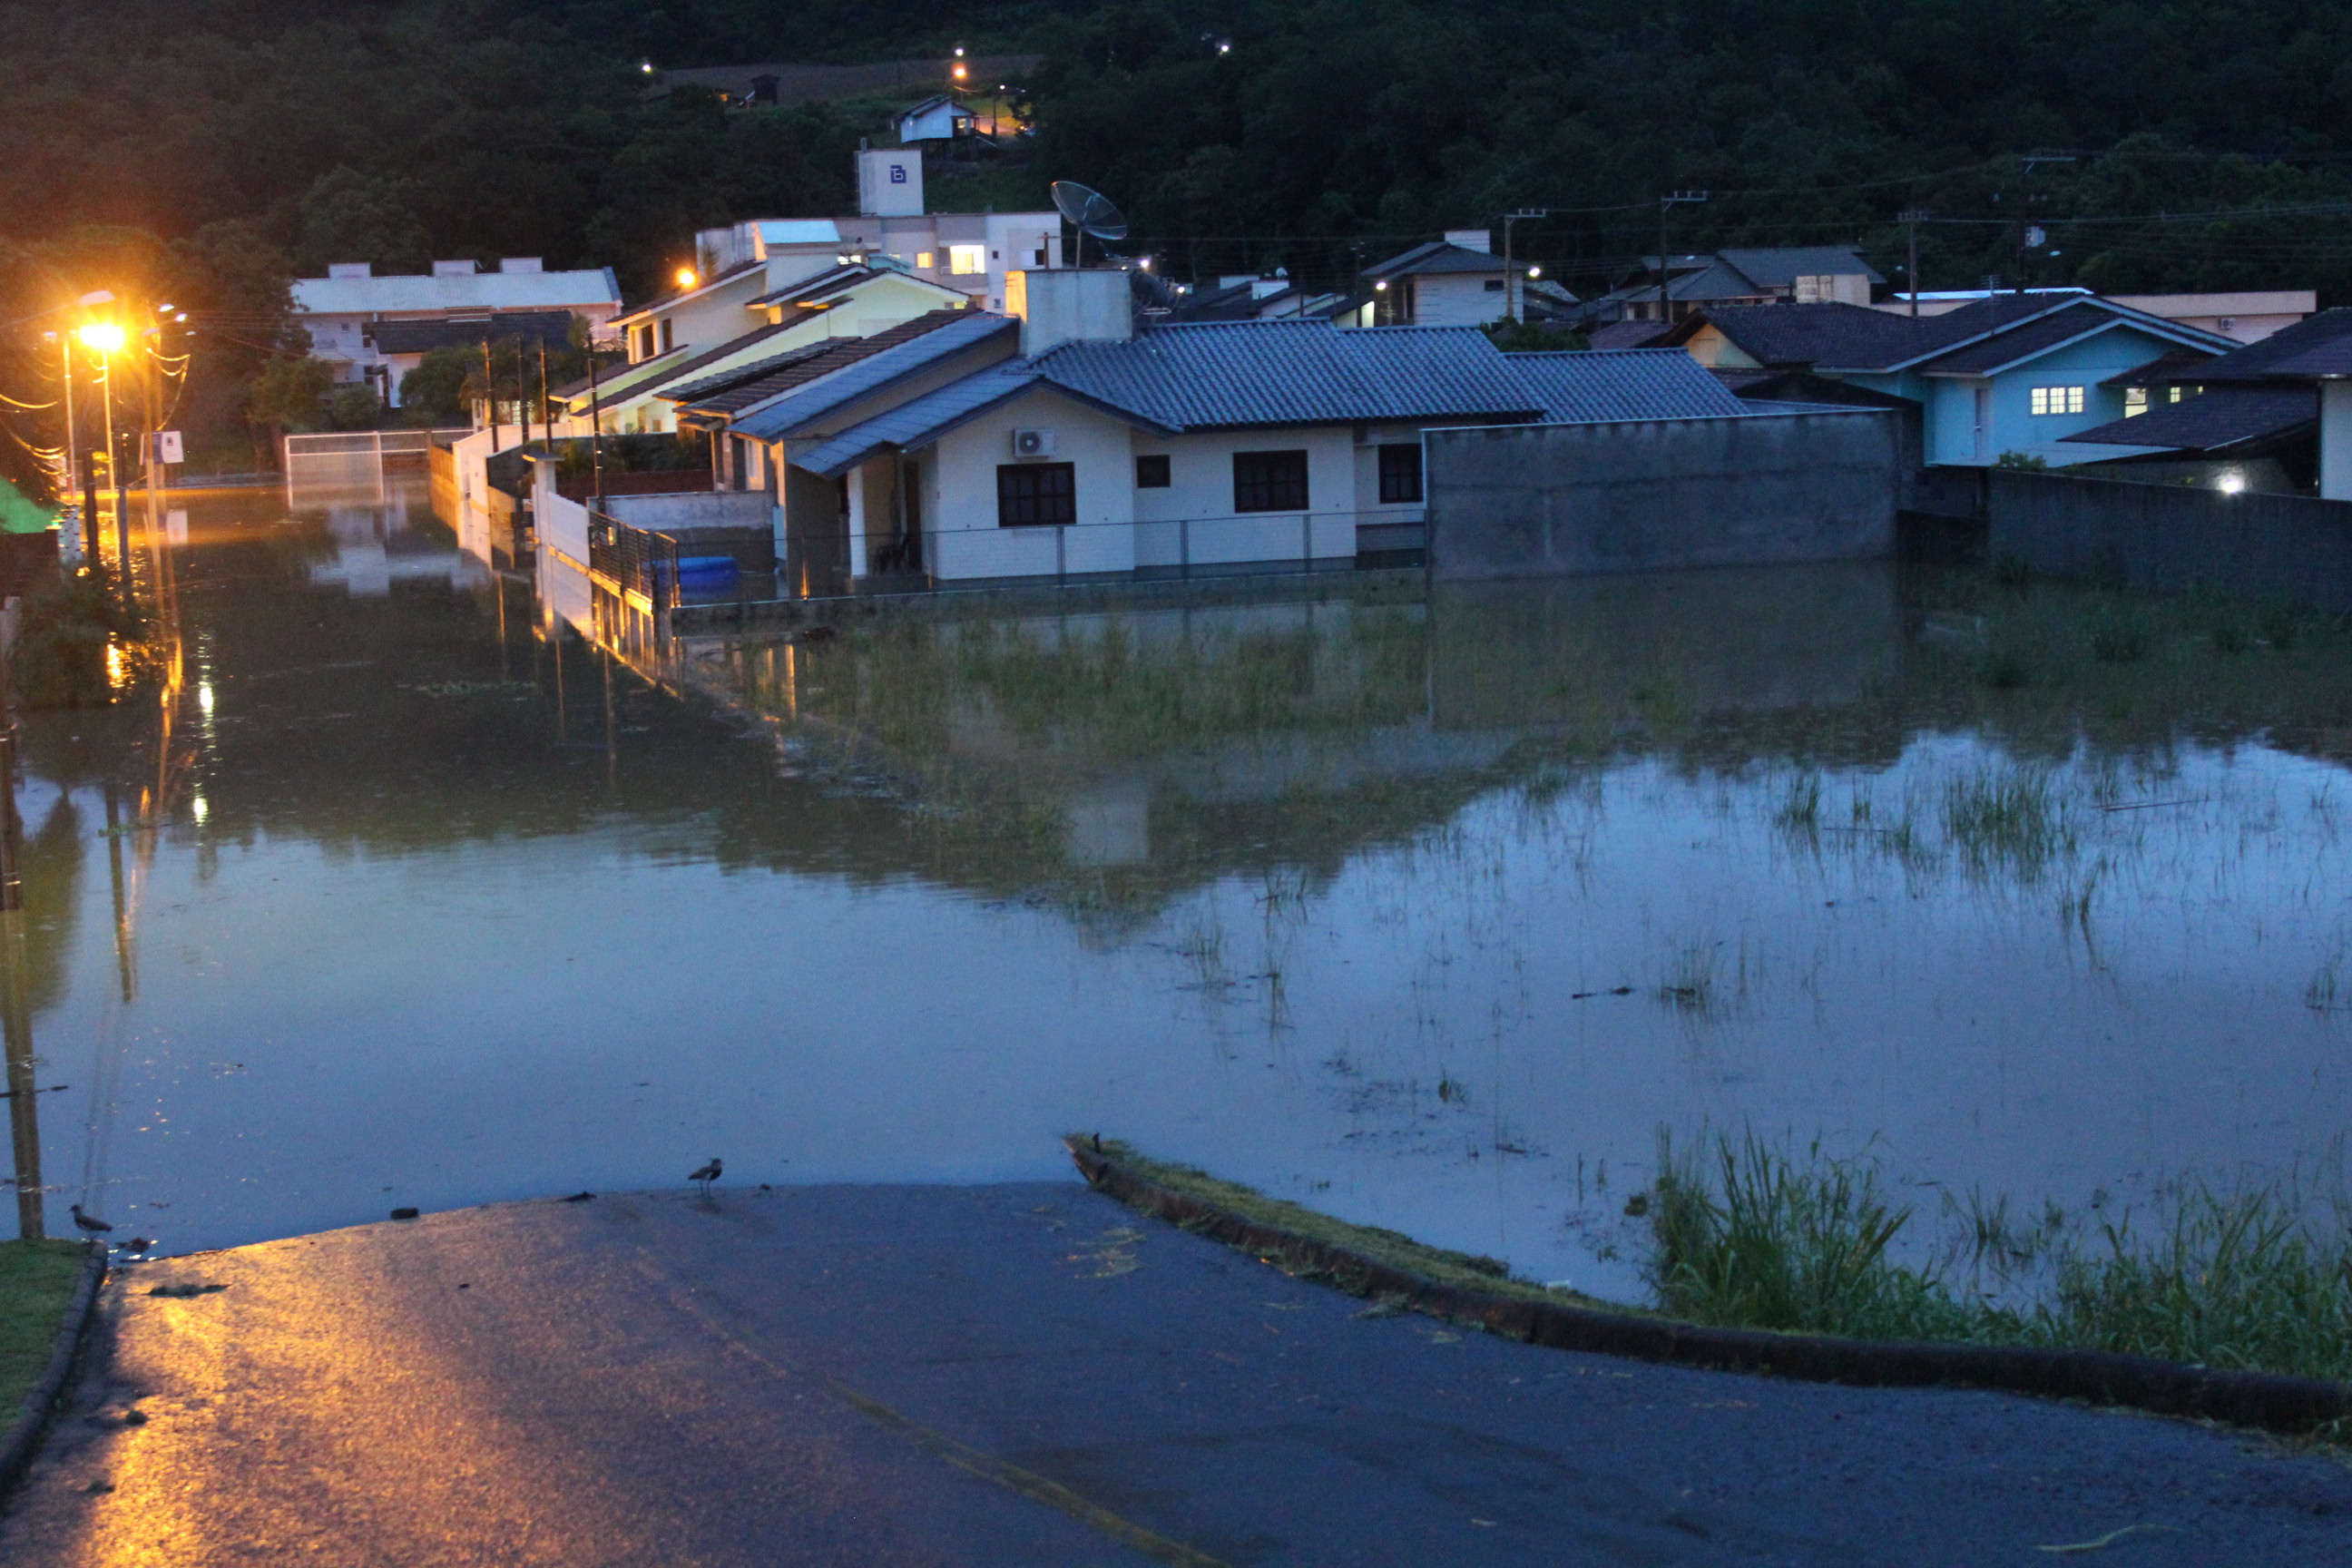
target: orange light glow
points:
(104, 337)
(686, 279)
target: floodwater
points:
(1432, 914)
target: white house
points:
(1103, 450)
(852, 301)
(938, 117)
(745, 265)
(1454, 283)
(342, 310)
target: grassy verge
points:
(1750, 1234)
(1393, 1248)
(37, 1283)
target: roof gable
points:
(834, 383)
(2304, 349)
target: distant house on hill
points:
(938, 117)
(348, 312)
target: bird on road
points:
(84, 1222)
(708, 1175)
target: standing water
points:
(1429, 912)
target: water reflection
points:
(1429, 912)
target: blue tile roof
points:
(791, 410)
(1224, 375)
(1606, 386)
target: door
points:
(1984, 422)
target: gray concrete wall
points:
(1551, 501)
(692, 508)
(2173, 538)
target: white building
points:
(735, 269)
(938, 117)
(342, 310)
(1457, 281)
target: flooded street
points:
(1431, 913)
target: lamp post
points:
(1510, 281)
(105, 339)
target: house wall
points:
(1342, 490)
(1540, 501)
(1457, 300)
(963, 541)
(706, 320)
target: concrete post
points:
(2335, 440)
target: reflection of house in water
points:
(1154, 737)
(375, 544)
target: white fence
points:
(349, 456)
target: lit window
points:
(2135, 401)
(967, 259)
(923, 259)
(2058, 400)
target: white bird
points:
(84, 1222)
(708, 1175)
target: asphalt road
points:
(1023, 1376)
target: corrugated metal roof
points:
(2283, 350)
(869, 373)
(835, 353)
(921, 420)
(466, 292)
(736, 375)
(1238, 374)
(2225, 416)
(1605, 386)
(1781, 265)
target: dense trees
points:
(231, 140)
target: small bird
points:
(708, 1175)
(84, 1222)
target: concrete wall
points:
(2173, 538)
(2335, 440)
(692, 508)
(1547, 501)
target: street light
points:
(686, 279)
(103, 337)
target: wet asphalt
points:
(1021, 1374)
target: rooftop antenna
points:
(1091, 212)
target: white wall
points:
(1457, 300)
(963, 539)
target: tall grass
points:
(1751, 1234)
(2006, 818)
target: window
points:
(967, 259)
(1400, 473)
(645, 341)
(1270, 481)
(1494, 285)
(1033, 495)
(2057, 400)
(923, 259)
(2135, 401)
(1040, 254)
(1152, 472)
(669, 334)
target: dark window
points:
(1029, 495)
(1152, 473)
(1494, 285)
(669, 334)
(1400, 473)
(1269, 481)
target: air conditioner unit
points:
(1033, 442)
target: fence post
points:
(1185, 548)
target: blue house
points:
(2008, 376)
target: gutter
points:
(21, 1441)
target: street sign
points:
(167, 447)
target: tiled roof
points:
(1843, 337)
(1628, 334)
(1423, 261)
(2225, 416)
(921, 420)
(837, 353)
(2178, 365)
(2021, 340)
(1232, 375)
(422, 337)
(2327, 359)
(701, 387)
(669, 374)
(1781, 267)
(1596, 386)
(2284, 351)
(888, 361)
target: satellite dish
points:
(1091, 212)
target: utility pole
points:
(1670, 199)
(1910, 218)
(596, 433)
(490, 392)
(1510, 276)
(73, 457)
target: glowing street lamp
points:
(686, 277)
(102, 337)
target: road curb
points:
(23, 1439)
(2267, 1401)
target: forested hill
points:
(406, 129)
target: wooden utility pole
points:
(1910, 218)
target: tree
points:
(288, 394)
(351, 216)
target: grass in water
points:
(2006, 818)
(37, 1284)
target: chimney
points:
(455, 268)
(1470, 239)
(351, 269)
(520, 264)
(890, 182)
(1067, 305)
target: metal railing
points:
(1248, 542)
(343, 446)
(635, 561)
